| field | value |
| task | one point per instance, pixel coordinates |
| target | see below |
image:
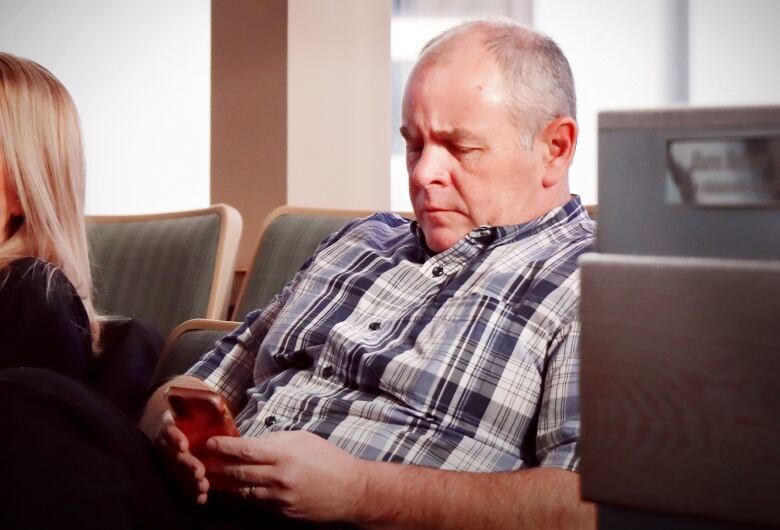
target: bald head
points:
(460, 119)
(538, 77)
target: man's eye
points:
(464, 149)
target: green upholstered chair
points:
(186, 344)
(164, 268)
(288, 237)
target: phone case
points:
(200, 414)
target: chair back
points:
(186, 345)
(164, 268)
(288, 237)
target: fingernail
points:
(211, 443)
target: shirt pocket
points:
(465, 349)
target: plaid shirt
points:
(466, 359)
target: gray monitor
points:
(690, 182)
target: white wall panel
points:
(735, 52)
(140, 75)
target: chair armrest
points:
(187, 343)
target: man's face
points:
(466, 166)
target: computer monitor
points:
(690, 182)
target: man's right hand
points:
(188, 470)
(172, 444)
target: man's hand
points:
(175, 449)
(302, 475)
(172, 444)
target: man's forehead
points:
(456, 87)
(472, 68)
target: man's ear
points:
(560, 141)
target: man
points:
(424, 375)
(412, 375)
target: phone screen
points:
(200, 414)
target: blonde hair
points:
(43, 159)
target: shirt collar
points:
(489, 236)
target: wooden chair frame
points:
(227, 248)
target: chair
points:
(164, 268)
(186, 344)
(289, 235)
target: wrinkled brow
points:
(453, 135)
(456, 136)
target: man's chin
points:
(440, 239)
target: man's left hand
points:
(301, 474)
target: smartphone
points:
(200, 414)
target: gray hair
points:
(536, 71)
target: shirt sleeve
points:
(558, 430)
(229, 367)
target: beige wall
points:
(301, 93)
(339, 96)
(249, 111)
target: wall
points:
(139, 74)
(249, 111)
(734, 52)
(622, 54)
(338, 100)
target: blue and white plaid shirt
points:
(467, 359)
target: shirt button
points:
(374, 326)
(327, 372)
(438, 270)
(270, 420)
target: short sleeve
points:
(558, 429)
(229, 367)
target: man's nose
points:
(432, 168)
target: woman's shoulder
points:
(24, 266)
(44, 321)
(33, 281)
